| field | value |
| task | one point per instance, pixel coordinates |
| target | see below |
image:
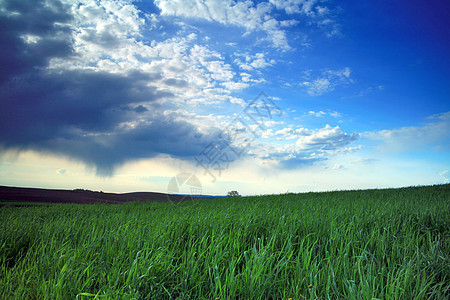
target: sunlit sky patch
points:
(124, 95)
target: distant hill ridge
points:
(18, 194)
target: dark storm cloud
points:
(33, 18)
(107, 150)
(38, 107)
(86, 115)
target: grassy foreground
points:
(382, 244)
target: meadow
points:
(367, 244)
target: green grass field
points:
(374, 244)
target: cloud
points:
(252, 16)
(32, 33)
(57, 97)
(306, 7)
(348, 150)
(311, 145)
(84, 115)
(320, 15)
(180, 83)
(327, 138)
(321, 113)
(79, 79)
(245, 14)
(108, 36)
(431, 135)
(252, 62)
(327, 81)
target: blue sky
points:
(124, 95)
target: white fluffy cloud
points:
(107, 37)
(250, 62)
(252, 17)
(327, 138)
(311, 145)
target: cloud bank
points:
(102, 118)
(104, 83)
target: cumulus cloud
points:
(327, 138)
(245, 14)
(250, 62)
(251, 16)
(108, 37)
(310, 146)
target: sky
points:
(261, 97)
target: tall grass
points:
(376, 244)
